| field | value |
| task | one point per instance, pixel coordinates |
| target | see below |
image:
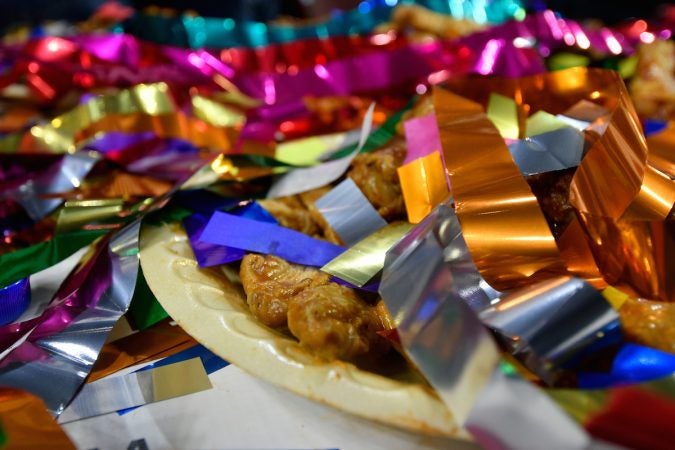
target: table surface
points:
(242, 412)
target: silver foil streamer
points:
(115, 393)
(555, 150)
(308, 178)
(548, 323)
(428, 283)
(65, 176)
(349, 212)
(438, 322)
(54, 367)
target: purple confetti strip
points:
(209, 255)
(266, 238)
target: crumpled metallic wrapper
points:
(64, 345)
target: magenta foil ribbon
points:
(78, 292)
(512, 49)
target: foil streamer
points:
(629, 187)
(26, 423)
(185, 68)
(76, 214)
(361, 262)
(621, 154)
(555, 150)
(14, 300)
(440, 331)
(26, 261)
(421, 137)
(208, 254)
(423, 185)
(437, 327)
(485, 181)
(67, 340)
(136, 389)
(139, 109)
(550, 323)
(305, 179)
(45, 283)
(266, 238)
(632, 364)
(661, 146)
(159, 341)
(68, 174)
(279, 57)
(349, 213)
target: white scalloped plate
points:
(213, 310)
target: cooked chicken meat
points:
(270, 282)
(334, 322)
(376, 175)
(327, 318)
(291, 213)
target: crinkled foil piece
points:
(136, 389)
(554, 150)
(65, 345)
(348, 212)
(307, 178)
(423, 185)
(66, 175)
(363, 261)
(548, 323)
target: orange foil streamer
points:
(502, 223)
(27, 423)
(621, 192)
(423, 185)
(157, 342)
(662, 150)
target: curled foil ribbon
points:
(620, 199)
(142, 108)
(546, 319)
(67, 338)
(500, 216)
(437, 321)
